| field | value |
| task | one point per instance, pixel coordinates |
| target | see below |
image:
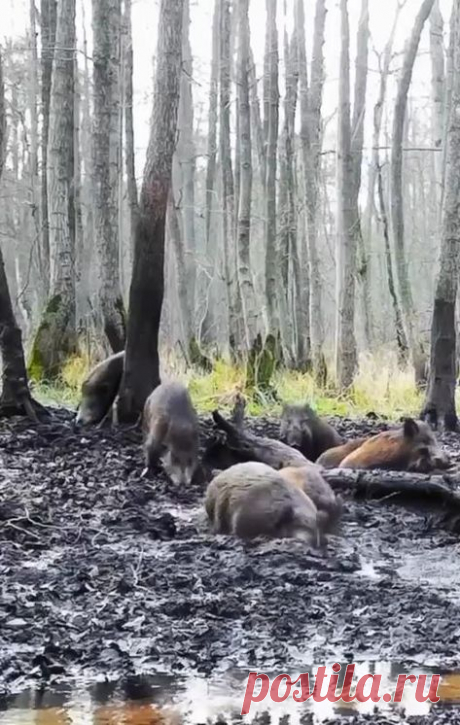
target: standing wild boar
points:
(100, 389)
(252, 499)
(309, 480)
(302, 428)
(333, 457)
(170, 424)
(412, 447)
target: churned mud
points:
(105, 573)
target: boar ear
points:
(410, 428)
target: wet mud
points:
(107, 574)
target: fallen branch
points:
(442, 487)
(250, 447)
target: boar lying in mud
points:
(333, 457)
(412, 447)
(252, 499)
(309, 480)
(100, 389)
(302, 428)
(170, 425)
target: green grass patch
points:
(380, 386)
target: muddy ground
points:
(105, 573)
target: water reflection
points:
(193, 700)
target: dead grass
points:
(380, 386)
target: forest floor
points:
(105, 573)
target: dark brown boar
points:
(100, 389)
(302, 428)
(170, 427)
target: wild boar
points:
(170, 426)
(100, 389)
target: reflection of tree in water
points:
(135, 700)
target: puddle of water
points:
(193, 700)
(435, 567)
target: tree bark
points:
(207, 324)
(397, 215)
(310, 135)
(440, 399)
(257, 120)
(106, 164)
(48, 36)
(142, 371)
(56, 336)
(34, 147)
(225, 153)
(295, 333)
(357, 141)
(186, 156)
(346, 358)
(272, 107)
(401, 340)
(437, 89)
(249, 303)
(176, 239)
(129, 123)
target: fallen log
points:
(444, 488)
(250, 447)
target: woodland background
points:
(310, 173)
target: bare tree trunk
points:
(129, 122)
(447, 104)
(56, 337)
(142, 366)
(228, 191)
(272, 106)
(374, 166)
(294, 320)
(48, 36)
(176, 239)
(211, 153)
(88, 260)
(397, 215)
(310, 134)
(249, 303)
(212, 120)
(79, 233)
(106, 160)
(399, 327)
(437, 89)
(346, 359)
(257, 120)
(440, 399)
(34, 179)
(357, 141)
(186, 155)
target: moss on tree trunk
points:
(55, 340)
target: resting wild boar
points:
(302, 428)
(309, 480)
(412, 447)
(170, 425)
(252, 499)
(100, 389)
(333, 457)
